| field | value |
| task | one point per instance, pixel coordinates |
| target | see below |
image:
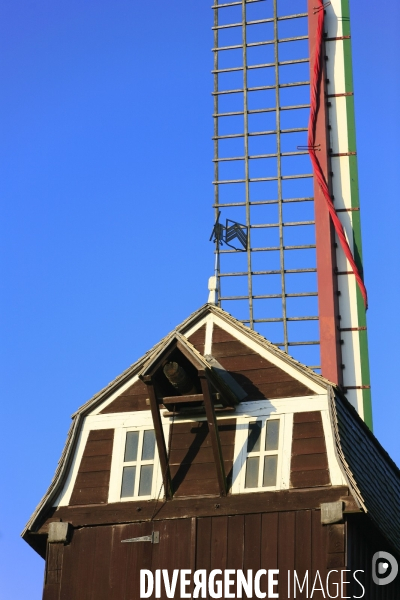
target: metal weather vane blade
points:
(224, 234)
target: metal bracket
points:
(154, 538)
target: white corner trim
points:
(64, 496)
(287, 451)
(209, 333)
(335, 471)
(116, 467)
(265, 353)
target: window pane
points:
(128, 482)
(252, 472)
(270, 464)
(146, 478)
(149, 441)
(253, 442)
(131, 446)
(272, 437)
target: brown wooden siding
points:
(96, 565)
(309, 463)
(257, 376)
(92, 481)
(132, 399)
(198, 338)
(192, 463)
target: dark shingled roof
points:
(372, 475)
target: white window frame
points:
(283, 452)
(118, 463)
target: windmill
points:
(219, 453)
(294, 280)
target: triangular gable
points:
(136, 396)
(128, 393)
(258, 366)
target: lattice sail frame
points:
(293, 284)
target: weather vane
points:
(224, 234)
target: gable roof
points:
(136, 368)
(372, 476)
(184, 327)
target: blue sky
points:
(105, 186)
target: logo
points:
(384, 568)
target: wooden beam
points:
(162, 448)
(183, 508)
(213, 429)
(181, 399)
(198, 411)
(189, 398)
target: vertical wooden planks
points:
(139, 556)
(235, 546)
(252, 542)
(235, 549)
(318, 551)
(173, 551)
(269, 541)
(86, 568)
(269, 545)
(97, 565)
(78, 566)
(286, 549)
(119, 560)
(203, 543)
(303, 549)
(102, 560)
(219, 542)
